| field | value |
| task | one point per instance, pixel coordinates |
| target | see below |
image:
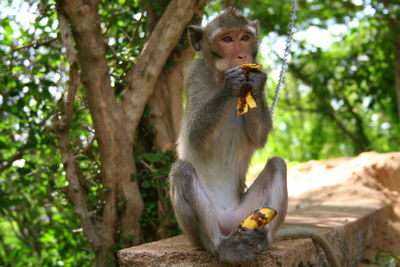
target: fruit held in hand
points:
(246, 100)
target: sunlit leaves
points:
(351, 106)
(33, 210)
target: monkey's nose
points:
(241, 57)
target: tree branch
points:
(35, 44)
(115, 126)
(115, 143)
(66, 35)
(76, 191)
(135, 34)
(328, 109)
(166, 102)
(143, 76)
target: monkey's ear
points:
(195, 36)
(256, 25)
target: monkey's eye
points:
(245, 38)
(227, 39)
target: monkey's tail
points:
(294, 232)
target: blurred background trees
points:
(341, 97)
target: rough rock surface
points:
(353, 201)
(348, 229)
(366, 179)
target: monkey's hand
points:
(256, 81)
(235, 80)
(242, 245)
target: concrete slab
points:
(348, 229)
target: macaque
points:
(215, 145)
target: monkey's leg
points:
(268, 190)
(202, 221)
(195, 211)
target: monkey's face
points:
(233, 47)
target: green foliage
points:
(38, 227)
(383, 258)
(39, 224)
(337, 101)
(152, 175)
(340, 100)
(274, 15)
(125, 31)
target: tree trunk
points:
(115, 122)
(166, 103)
(115, 144)
(166, 107)
(143, 77)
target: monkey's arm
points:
(258, 123)
(204, 119)
(292, 232)
(207, 117)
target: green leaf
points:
(153, 157)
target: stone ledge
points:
(348, 229)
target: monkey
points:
(207, 182)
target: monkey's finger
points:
(258, 218)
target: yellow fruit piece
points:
(241, 106)
(247, 101)
(244, 103)
(258, 218)
(250, 100)
(247, 67)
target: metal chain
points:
(285, 55)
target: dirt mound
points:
(366, 180)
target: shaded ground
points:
(366, 180)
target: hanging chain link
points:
(285, 55)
